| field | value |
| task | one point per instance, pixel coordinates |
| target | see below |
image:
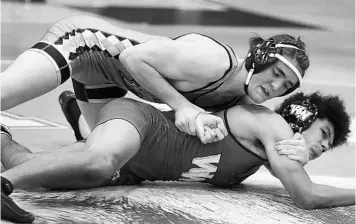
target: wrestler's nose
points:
(277, 85)
(325, 145)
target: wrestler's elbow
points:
(299, 188)
(98, 169)
(304, 199)
(304, 203)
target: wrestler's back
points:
(213, 95)
(168, 154)
(91, 48)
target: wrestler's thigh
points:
(121, 125)
(90, 111)
(114, 143)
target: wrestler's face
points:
(319, 137)
(273, 81)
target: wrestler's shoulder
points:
(252, 108)
(256, 113)
(196, 37)
(258, 120)
(264, 113)
(189, 40)
(269, 119)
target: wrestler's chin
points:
(258, 96)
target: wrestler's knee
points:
(99, 169)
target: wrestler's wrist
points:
(200, 113)
(185, 105)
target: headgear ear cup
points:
(265, 54)
(300, 114)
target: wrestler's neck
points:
(235, 83)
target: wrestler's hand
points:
(295, 148)
(210, 128)
(185, 119)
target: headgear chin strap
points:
(248, 78)
(300, 114)
(265, 54)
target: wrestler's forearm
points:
(156, 84)
(56, 170)
(326, 196)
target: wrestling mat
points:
(260, 199)
(255, 201)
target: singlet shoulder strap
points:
(227, 73)
(238, 142)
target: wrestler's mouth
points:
(265, 91)
(316, 150)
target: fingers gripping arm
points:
(294, 148)
(210, 128)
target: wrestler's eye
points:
(323, 133)
(275, 73)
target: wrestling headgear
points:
(265, 54)
(300, 114)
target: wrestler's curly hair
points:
(301, 56)
(330, 107)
